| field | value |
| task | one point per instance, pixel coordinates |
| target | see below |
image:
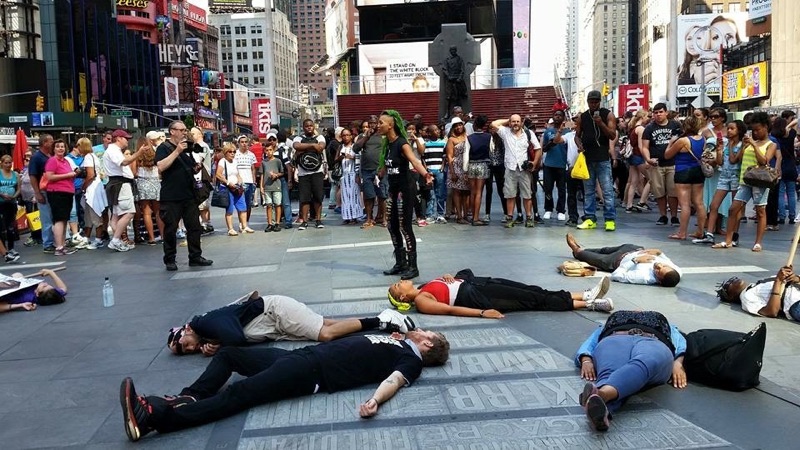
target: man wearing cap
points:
(253, 319)
(594, 131)
(177, 169)
(522, 158)
(120, 187)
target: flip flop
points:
(719, 245)
(757, 248)
(676, 237)
(367, 225)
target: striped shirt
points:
(434, 154)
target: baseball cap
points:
(594, 95)
(120, 133)
(456, 120)
(272, 135)
(155, 135)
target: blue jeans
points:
(786, 189)
(599, 171)
(287, 201)
(631, 363)
(249, 193)
(436, 204)
(46, 217)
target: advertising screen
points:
(522, 31)
(700, 38)
(745, 83)
(403, 67)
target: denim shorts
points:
(368, 185)
(728, 180)
(759, 195)
(636, 160)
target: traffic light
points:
(39, 103)
(93, 112)
(606, 89)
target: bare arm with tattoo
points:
(386, 390)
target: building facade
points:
(610, 46)
(243, 54)
(308, 21)
(712, 6)
(653, 22)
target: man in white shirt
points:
(768, 297)
(523, 156)
(245, 161)
(119, 189)
(629, 263)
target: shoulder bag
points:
(708, 170)
(760, 176)
(725, 359)
(220, 197)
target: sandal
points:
(232, 232)
(721, 245)
(383, 224)
(462, 221)
(367, 224)
(757, 248)
(478, 223)
(677, 237)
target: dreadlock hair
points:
(727, 292)
(398, 128)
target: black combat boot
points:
(413, 271)
(400, 265)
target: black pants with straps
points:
(172, 213)
(400, 228)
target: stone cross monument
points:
(453, 55)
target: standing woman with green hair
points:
(396, 154)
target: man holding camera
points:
(177, 168)
(120, 187)
(523, 155)
(594, 131)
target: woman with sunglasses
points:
(60, 188)
(228, 174)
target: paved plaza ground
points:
(509, 384)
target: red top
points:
(441, 291)
(634, 139)
(257, 150)
(59, 167)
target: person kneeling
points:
(633, 350)
(467, 295)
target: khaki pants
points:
(284, 319)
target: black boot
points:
(413, 271)
(400, 265)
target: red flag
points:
(20, 147)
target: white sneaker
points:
(181, 234)
(599, 291)
(118, 246)
(392, 320)
(547, 215)
(600, 304)
(562, 217)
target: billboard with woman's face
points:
(700, 38)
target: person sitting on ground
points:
(768, 297)
(631, 351)
(28, 298)
(629, 263)
(253, 319)
(275, 374)
(467, 295)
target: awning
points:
(327, 61)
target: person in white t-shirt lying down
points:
(629, 263)
(768, 297)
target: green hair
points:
(398, 128)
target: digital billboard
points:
(522, 33)
(745, 83)
(403, 67)
(699, 40)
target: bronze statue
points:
(453, 71)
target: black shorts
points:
(311, 187)
(692, 175)
(60, 205)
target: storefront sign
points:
(633, 97)
(760, 8)
(261, 115)
(178, 110)
(178, 54)
(140, 4)
(17, 119)
(745, 83)
(194, 15)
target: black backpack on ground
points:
(725, 359)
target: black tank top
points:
(396, 162)
(595, 143)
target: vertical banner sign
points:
(261, 115)
(171, 97)
(633, 97)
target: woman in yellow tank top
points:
(758, 150)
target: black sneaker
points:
(735, 239)
(675, 221)
(50, 249)
(171, 266)
(571, 223)
(538, 219)
(268, 229)
(135, 411)
(518, 220)
(176, 401)
(200, 262)
(288, 225)
(302, 226)
(319, 224)
(662, 220)
(276, 228)
(781, 221)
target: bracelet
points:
(775, 293)
(482, 311)
(586, 361)
(376, 401)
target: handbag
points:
(220, 196)
(708, 170)
(336, 173)
(725, 359)
(580, 171)
(572, 268)
(760, 176)
(202, 188)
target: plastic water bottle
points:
(108, 293)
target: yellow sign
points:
(745, 83)
(133, 3)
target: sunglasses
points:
(715, 116)
(272, 139)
